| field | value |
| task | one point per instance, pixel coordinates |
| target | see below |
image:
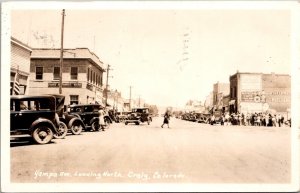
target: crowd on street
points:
(245, 119)
(250, 119)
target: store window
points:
(39, 73)
(74, 73)
(74, 99)
(56, 73)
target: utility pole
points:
(61, 51)
(106, 93)
(139, 100)
(130, 99)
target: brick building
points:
(258, 92)
(219, 91)
(82, 74)
(19, 68)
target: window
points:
(56, 73)
(73, 99)
(100, 82)
(74, 73)
(88, 109)
(91, 76)
(88, 75)
(235, 91)
(39, 73)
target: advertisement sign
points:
(254, 96)
(251, 82)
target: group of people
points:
(251, 119)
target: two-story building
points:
(220, 90)
(82, 74)
(258, 92)
(19, 68)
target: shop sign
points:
(65, 85)
(252, 97)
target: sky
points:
(168, 56)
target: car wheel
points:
(76, 128)
(42, 134)
(137, 123)
(95, 126)
(126, 123)
(107, 124)
(62, 131)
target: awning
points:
(231, 102)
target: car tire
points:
(62, 131)
(76, 128)
(42, 134)
(95, 126)
(107, 124)
(126, 123)
(137, 123)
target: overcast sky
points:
(167, 56)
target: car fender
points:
(73, 120)
(94, 119)
(63, 120)
(43, 121)
(108, 117)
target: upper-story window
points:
(88, 75)
(100, 81)
(39, 73)
(94, 75)
(56, 73)
(74, 73)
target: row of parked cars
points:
(46, 117)
(195, 117)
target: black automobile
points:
(36, 116)
(73, 121)
(89, 114)
(138, 116)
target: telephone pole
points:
(106, 93)
(61, 51)
(130, 98)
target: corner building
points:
(19, 67)
(258, 92)
(82, 75)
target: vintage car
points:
(73, 121)
(37, 116)
(89, 114)
(139, 115)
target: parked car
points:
(139, 115)
(122, 116)
(89, 114)
(36, 116)
(73, 121)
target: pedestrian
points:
(227, 118)
(101, 118)
(166, 119)
(279, 120)
(212, 119)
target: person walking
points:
(101, 119)
(166, 119)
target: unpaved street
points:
(187, 152)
